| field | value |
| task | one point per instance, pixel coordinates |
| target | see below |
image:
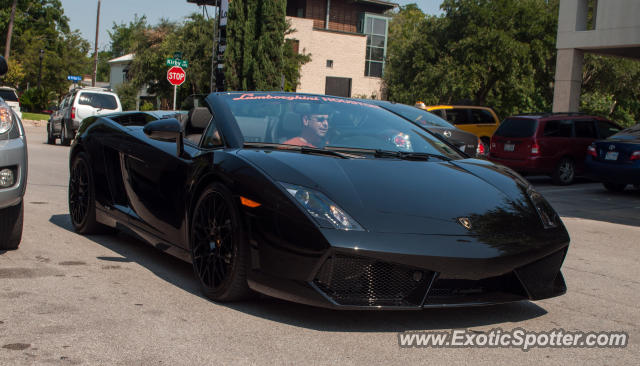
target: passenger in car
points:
(314, 131)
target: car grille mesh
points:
(359, 281)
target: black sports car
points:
(320, 200)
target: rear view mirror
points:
(4, 68)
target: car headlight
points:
(547, 214)
(6, 119)
(326, 213)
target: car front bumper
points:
(13, 155)
(416, 272)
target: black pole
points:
(40, 72)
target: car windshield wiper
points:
(408, 155)
(302, 149)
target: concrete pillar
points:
(566, 95)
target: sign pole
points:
(175, 92)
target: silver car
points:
(13, 174)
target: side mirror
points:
(169, 130)
(4, 68)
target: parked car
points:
(10, 96)
(616, 161)
(13, 173)
(464, 141)
(552, 144)
(480, 121)
(388, 216)
(76, 106)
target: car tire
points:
(11, 219)
(51, 139)
(221, 270)
(64, 139)
(565, 172)
(614, 187)
(82, 197)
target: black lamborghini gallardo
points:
(377, 213)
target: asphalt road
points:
(98, 300)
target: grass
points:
(35, 116)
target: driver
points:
(314, 131)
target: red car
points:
(552, 144)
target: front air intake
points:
(361, 281)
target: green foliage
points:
(41, 24)
(15, 75)
(499, 53)
(127, 92)
(254, 59)
(147, 106)
(292, 63)
(124, 37)
(611, 88)
(34, 100)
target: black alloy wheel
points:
(82, 197)
(51, 140)
(64, 139)
(565, 172)
(218, 248)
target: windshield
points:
(8, 95)
(517, 127)
(417, 115)
(96, 100)
(329, 123)
(632, 133)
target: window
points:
(8, 95)
(585, 129)
(607, 129)
(517, 127)
(95, 100)
(558, 129)
(212, 137)
(458, 116)
(376, 28)
(330, 64)
(482, 116)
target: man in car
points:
(314, 131)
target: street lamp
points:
(40, 72)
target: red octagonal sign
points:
(176, 75)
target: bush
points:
(34, 100)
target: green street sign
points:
(173, 62)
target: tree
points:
(499, 53)
(254, 59)
(42, 25)
(611, 88)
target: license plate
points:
(509, 147)
(611, 155)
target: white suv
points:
(10, 97)
(75, 107)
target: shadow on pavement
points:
(589, 200)
(180, 274)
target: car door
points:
(555, 141)
(156, 181)
(585, 135)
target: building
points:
(347, 40)
(610, 27)
(119, 70)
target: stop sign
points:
(176, 75)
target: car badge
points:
(447, 134)
(464, 221)
(612, 147)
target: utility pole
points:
(95, 60)
(7, 47)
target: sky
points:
(82, 13)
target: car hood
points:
(417, 197)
